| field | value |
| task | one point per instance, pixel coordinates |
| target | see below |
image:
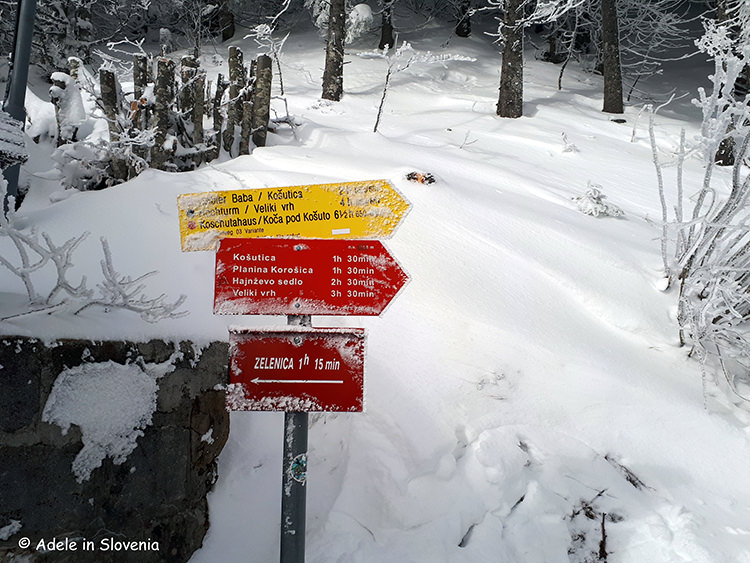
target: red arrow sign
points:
(297, 369)
(305, 277)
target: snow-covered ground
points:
(526, 389)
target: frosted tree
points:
(386, 27)
(333, 73)
(706, 240)
(619, 38)
(342, 23)
(734, 17)
(65, 28)
(510, 98)
(611, 58)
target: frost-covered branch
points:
(37, 253)
(710, 246)
(123, 292)
(400, 60)
(34, 254)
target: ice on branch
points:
(403, 58)
(123, 292)
(37, 255)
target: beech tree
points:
(463, 25)
(733, 17)
(386, 28)
(706, 242)
(510, 99)
(333, 74)
(620, 38)
(611, 58)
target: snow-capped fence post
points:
(140, 75)
(188, 98)
(188, 71)
(69, 112)
(163, 94)
(236, 86)
(199, 99)
(111, 107)
(218, 117)
(246, 127)
(294, 476)
(246, 117)
(139, 107)
(56, 94)
(262, 100)
(74, 67)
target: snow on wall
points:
(10, 529)
(111, 403)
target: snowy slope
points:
(525, 386)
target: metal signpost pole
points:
(294, 476)
(14, 103)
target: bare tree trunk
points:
(510, 99)
(226, 21)
(333, 74)
(463, 27)
(611, 58)
(163, 93)
(262, 100)
(386, 28)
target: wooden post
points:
(262, 100)
(163, 93)
(188, 70)
(139, 110)
(236, 84)
(247, 127)
(218, 118)
(199, 100)
(74, 67)
(55, 99)
(111, 105)
(140, 75)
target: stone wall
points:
(157, 496)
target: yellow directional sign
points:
(349, 210)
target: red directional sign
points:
(305, 277)
(297, 369)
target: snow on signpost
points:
(275, 256)
(305, 277)
(348, 210)
(297, 369)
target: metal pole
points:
(294, 478)
(14, 103)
